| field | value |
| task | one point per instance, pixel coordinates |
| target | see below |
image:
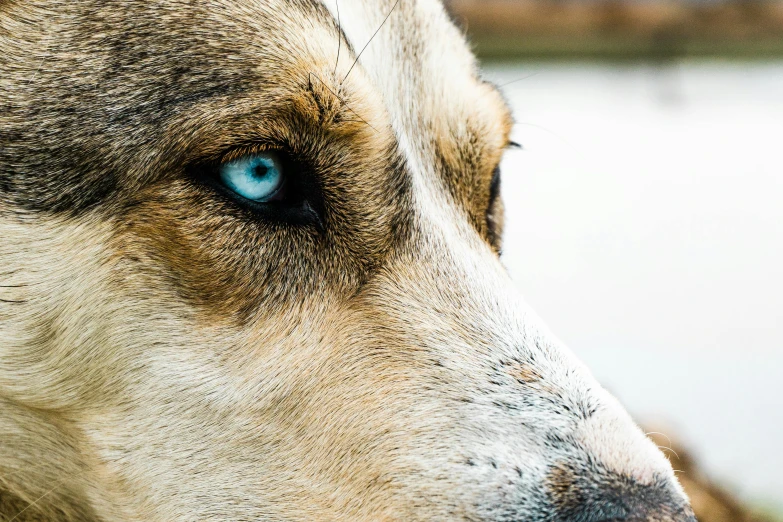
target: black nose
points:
(688, 518)
(608, 497)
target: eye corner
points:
(494, 213)
(494, 185)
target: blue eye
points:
(257, 177)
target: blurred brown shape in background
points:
(622, 28)
(710, 502)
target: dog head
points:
(249, 271)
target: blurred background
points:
(645, 216)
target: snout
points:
(608, 497)
(499, 421)
(614, 473)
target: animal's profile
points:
(249, 271)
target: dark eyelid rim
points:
(306, 207)
(494, 195)
(494, 185)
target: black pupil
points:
(260, 171)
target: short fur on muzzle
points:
(169, 352)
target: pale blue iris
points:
(257, 177)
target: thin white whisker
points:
(36, 501)
(668, 448)
(517, 80)
(659, 433)
(43, 59)
(341, 100)
(339, 37)
(370, 40)
(553, 133)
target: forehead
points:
(400, 61)
(441, 112)
(129, 84)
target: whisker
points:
(341, 100)
(371, 39)
(661, 434)
(43, 58)
(668, 448)
(36, 501)
(339, 37)
(553, 133)
(517, 80)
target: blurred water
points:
(645, 225)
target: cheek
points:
(197, 247)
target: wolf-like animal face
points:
(345, 347)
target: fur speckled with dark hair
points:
(171, 353)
